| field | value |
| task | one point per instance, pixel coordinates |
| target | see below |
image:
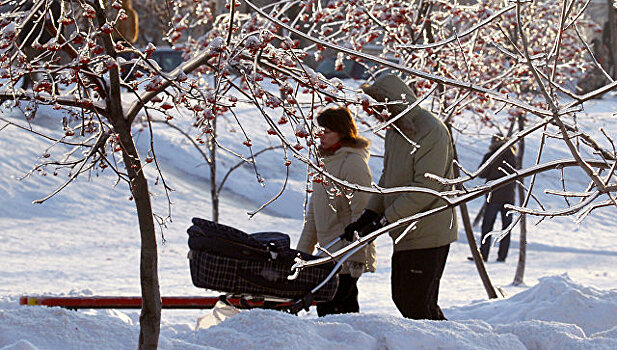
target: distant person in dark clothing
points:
(497, 199)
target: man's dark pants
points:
(415, 281)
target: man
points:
(420, 256)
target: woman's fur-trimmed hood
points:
(360, 143)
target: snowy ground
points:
(85, 241)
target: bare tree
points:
(473, 65)
(94, 122)
(522, 255)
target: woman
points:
(345, 156)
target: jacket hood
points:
(393, 88)
(364, 152)
(359, 145)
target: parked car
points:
(351, 69)
(167, 58)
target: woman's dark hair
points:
(339, 120)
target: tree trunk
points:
(612, 35)
(475, 252)
(150, 317)
(214, 192)
(477, 258)
(522, 252)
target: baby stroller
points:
(256, 267)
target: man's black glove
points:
(368, 222)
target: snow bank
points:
(554, 299)
(23, 327)
(555, 314)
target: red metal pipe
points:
(120, 302)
